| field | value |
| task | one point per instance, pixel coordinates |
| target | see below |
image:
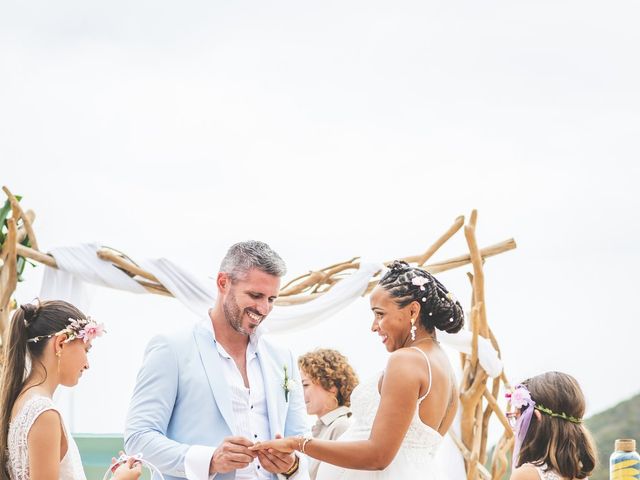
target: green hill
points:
(621, 421)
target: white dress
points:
(415, 458)
(547, 474)
(70, 465)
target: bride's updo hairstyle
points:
(438, 308)
(29, 320)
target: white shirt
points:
(329, 427)
(249, 410)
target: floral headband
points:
(520, 398)
(85, 328)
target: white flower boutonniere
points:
(288, 385)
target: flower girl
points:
(47, 346)
(551, 440)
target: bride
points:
(400, 417)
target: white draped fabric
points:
(79, 266)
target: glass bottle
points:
(624, 463)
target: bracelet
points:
(304, 443)
(294, 467)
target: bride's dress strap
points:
(429, 367)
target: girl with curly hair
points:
(327, 381)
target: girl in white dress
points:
(551, 440)
(47, 346)
(399, 418)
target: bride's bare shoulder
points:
(407, 361)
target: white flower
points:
(419, 281)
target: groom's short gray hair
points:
(243, 256)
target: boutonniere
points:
(288, 384)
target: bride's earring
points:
(58, 355)
(413, 329)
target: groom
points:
(204, 395)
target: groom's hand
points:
(231, 455)
(274, 461)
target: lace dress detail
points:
(71, 464)
(415, 458)
(546, 473)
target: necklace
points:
(424, 340)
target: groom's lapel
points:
(213, 368)
(273, 378)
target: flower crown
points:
(85, 328)
(520, 397)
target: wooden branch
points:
(22, 231)
(478, 274)
(36, 255)
(477, 441)
(462, 260)
(470, 399)
(155, 288)
(467, 455)
(8, 273)
(499, 461)
(505, 380)
(17, 213)
(493, 403)
(475, 328)
(473, 219)
(348, 262)
(312, 279)
(297, 299)
(422, 259)
(51, 262)
(129, 267)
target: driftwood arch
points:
(478, 395)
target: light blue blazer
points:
(181, 399)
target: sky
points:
(332, 130)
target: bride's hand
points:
(283, 445)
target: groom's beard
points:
(233, 314)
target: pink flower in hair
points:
(91, 331)
(520, 397)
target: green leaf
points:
(22, 261)
(20, 264)
(4, 213)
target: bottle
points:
(624, 463)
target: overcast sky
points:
(332, 130)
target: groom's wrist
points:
(294, 467)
